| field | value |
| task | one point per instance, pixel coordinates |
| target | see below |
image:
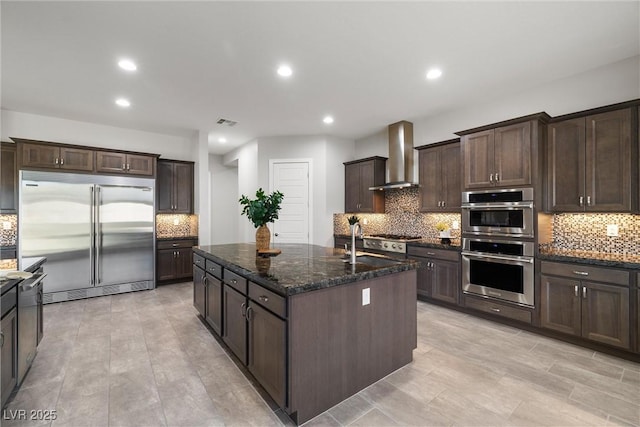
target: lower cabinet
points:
(174, 260)
(589, 302)
(9, 356)
(213, 314)
(235, 322)
(199, 289)
(439, 277)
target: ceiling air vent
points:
(227, 122)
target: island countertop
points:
(299, 268)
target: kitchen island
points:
(311, 328)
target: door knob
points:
(276, 234)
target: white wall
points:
(246, 157)
(338, 151)
(224, 201)
(616, 82)
(53, 129)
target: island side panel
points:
(337, 346)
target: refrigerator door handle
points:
(98, 236)
(92, 234)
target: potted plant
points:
(444, 232)
(260, 211)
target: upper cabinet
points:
(359, 176)
(440, 172)
(8, 179)
(124, 163)
(175, 187)
(590, 163)
(49, 156)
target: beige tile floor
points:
(144, 359)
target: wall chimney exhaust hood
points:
(400, 163)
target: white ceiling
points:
(362, 62)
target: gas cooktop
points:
(394, 237)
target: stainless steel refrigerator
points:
(96, 231)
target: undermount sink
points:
(375, 261)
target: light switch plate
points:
(455, 225)
(366, 296)
(6, 225)
(612, 230)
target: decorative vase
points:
(263, 238)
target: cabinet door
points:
(605, 314)
(166, 264)
(214, 303)
(512, 155)
(183, 188)
(450, 177)
(109, 162)
(199, 291)
(608, 162)
(566, 166)
(424, 277)
(367, 179)
(234, 322)
(164, 187)
(430, 182)
(560, 308)
(351, 187)
(183, 262)
(8, 360)
(40, 156)
(140, 165)
(478, 160)
(446, 281)
(267, 351)
(76, 159)
(8, 179)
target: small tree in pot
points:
(260, 211)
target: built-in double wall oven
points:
(498, 244)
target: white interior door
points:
(292, 179)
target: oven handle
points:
(504, 258)
(501, 206)
(34, 283)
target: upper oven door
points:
(494, 220)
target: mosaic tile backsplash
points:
(176, 225)
(588, 232)
(401, 217)
(8, 237)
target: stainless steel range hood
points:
(400, 163)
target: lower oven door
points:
(496, 276)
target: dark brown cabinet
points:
(589, 302)
(235, 322)
(174, 260)
(359, 176)
(199, 288)
(124, 163)
(175, 187)
(8, 178)
(589, 163)
(499, 157)
(8, 354)
(439, 276)
(50, 156)
(214, 303)
(440, 172)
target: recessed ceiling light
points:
(434, 73)
(328, 120)
(285, 71)
(122, 102)
(127, 64)
(222, 140)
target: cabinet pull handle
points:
(584, 292)
(57, 161)
(491, 178)
(1, 339)
(243, 311)
(124, 167)
(174, 244)
(497, 310)
(588, 200)
(205, 281)
(497, 177)
(263, 298)
(581, 273)
(581, 200)
(439, 203)
(444, 203)
(62, 161)
(128, 166)
(234, 281)
(249, 311)
(431, 253)
(575, 290)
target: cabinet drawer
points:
(268, 299)
(498, 309)
(198, 260)
(9, 300)
(433, 253)
(173, 244)
(584, 272)
(236, 281)
(213, 269)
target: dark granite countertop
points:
(26, 264)
(603, 259)
(455, 244)
(299, 268)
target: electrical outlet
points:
(366, 296)
(6, 225)
(612, 230)
(176, 221)
(365, 221)
(455, 225)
